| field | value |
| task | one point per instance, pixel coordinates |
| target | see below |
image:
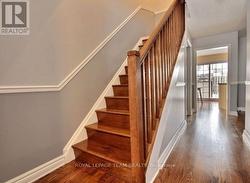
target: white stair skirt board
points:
(246, 138)
(79, 135)
(165, 155)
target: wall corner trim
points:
(246, 138)
(166, 153)
(70, 76)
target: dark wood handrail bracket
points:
(149, 75)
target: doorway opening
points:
(212, 75)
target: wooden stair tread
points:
(111, 130)
(117, 97)
(114, 111)
(106, 152)
(119, 85)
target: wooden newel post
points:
(136, 122)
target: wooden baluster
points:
(160, 68)
(144, 102)
(173, 42)
(153, 86)
(135, 111)
(164, 61)
(157, 78)
(148, 97)
(168, 50)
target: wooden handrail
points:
(156, 31)
(149, 75)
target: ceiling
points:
(212, 51)
(209, 17)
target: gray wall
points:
(224, 39)
(63, 33)
(34, 127)
(242, 71)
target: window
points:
(208, 78)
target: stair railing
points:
(149, 75)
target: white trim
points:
(247, 82)
(241, 109)
(39, 171)
(155, 175)
(159, 12)
(62, 84)
(238, 83)
(246, 138)
(180, 84)
(80, 133)
(233, 113)
(164, 156)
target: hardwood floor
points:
(211, 150)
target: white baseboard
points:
(39, 171)
(233, 113)
(79, 135)
(246, 138)
(70, 76)
(165, 155)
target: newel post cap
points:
(133, 53)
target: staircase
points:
(122, 139)
(108, 140)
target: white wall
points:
(226, 39)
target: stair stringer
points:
(80, 134)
